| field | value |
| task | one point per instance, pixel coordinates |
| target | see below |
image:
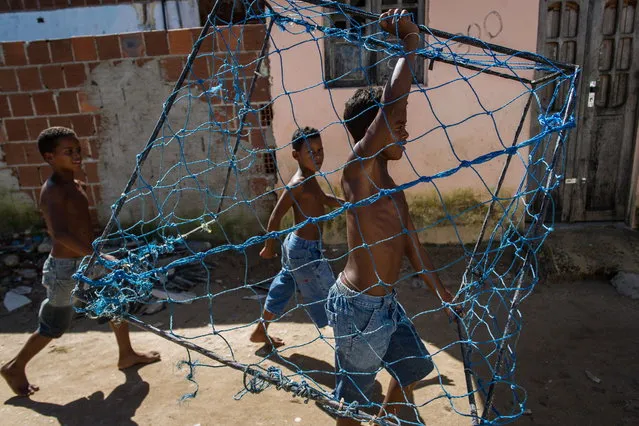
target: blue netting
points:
(210, 169)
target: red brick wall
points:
(26, 5)
(45, 83)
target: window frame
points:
(374, 77)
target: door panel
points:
(603, 37)
(607, 142)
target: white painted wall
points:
(82, 21)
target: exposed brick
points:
(29, 79)
(258, 185)
(29, 176)
(228, 39)
(47, 4)
(75, 75)
(84, 48)
(13, 154)
(16, 129)
(4, 107)
(207, 41)
(97, 193)
(89, 191)
(109, 1)
(32, 153)
(225, 115)
(262, 92)
(171, 68)
(180, 42)
(83, 125)
(38, 52)
(108, 47)
(93, 213)
(8, 80)
(76, 3)
(31, 5)
(257, 139)
(44, 103)
(14, 53)
(156, 43)
(84, 104)
(60, 120)
(247, 61)
(89, 147)
(35, 126)
(132, 45)
(253, 37)
(68, 102)
(92, 2)
(91, 172)
(60, 4)
(52, 76)
(21, 105)
(61, 50)
(199, 69)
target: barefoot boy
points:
(65, 207)
(370, 326)
(303, 266)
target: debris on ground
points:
(627, 284)
(592, 377)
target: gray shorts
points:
(56, 310)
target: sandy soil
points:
(568, 328)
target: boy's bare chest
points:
(77, 199)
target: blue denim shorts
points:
(303, 268)
(372, 333)
(56, 310)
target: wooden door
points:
(603, 37)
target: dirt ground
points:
(569, 328)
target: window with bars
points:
(348, 65)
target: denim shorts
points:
(371, 333)
(56, 310)
(305, 269)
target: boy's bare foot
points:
(17, 379)
(136, 358)
(260, 336)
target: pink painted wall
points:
(513, 24)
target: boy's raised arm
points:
(396, 91)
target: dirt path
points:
(569, 328)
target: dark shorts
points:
(372, 333)
(56, 310)
(303, 268)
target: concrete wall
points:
(301, 99)
(104, 19)
(110, 90)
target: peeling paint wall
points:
(105, 19)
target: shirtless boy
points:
(370, 326)
(65, 208)
(303, 266)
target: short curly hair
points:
(301, 134)
(49, 138)
(360, 110)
